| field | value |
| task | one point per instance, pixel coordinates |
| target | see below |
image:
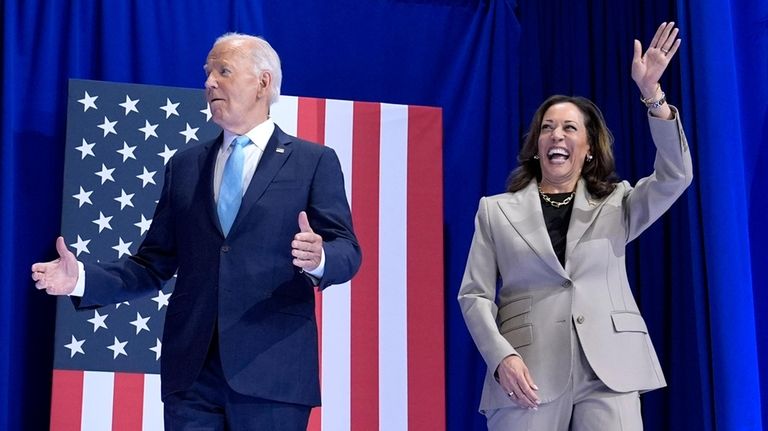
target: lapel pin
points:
(280, 150)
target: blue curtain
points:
(488, 64)
(727, 66)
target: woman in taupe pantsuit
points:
(545, 293)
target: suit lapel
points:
(275, 155)
(523, 211)
(207, 166)
(585, 211)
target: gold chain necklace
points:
(556, 204)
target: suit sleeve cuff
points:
(318, 272)
(80, 286)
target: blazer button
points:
(567, 284)
(580, 319)
(225, 249)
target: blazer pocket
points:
(627, 321)
(508, 313)
(283, 184)
(519, 337)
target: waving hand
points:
(648, 67)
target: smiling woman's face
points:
(562, 148)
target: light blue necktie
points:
(231, 190)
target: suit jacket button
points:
(225, 248)
(580, 319)
(567, 284)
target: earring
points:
(589, 157)
(536, 157)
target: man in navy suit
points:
(240, 337)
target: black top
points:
(557, 220)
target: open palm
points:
(647, 68)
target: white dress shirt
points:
(252, 152)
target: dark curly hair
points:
(599, 173)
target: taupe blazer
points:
(516, 298)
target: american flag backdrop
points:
(382, 347)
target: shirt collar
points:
(259, 135)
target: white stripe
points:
(336, 358)
(336, 350)
(338, 135)
(98, 393)
(393, 330)
(152, 419)
(285, 114)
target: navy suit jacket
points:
(245, 285)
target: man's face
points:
(235, 91)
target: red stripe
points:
(426, 376)
(311, 127)
(366, 134)
(128, 402)
(66, 400)
(315, 415)
(311, 119)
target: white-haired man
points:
(250, 221)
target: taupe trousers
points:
(586, 405)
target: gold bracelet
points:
(656, 104)
(649, 100)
